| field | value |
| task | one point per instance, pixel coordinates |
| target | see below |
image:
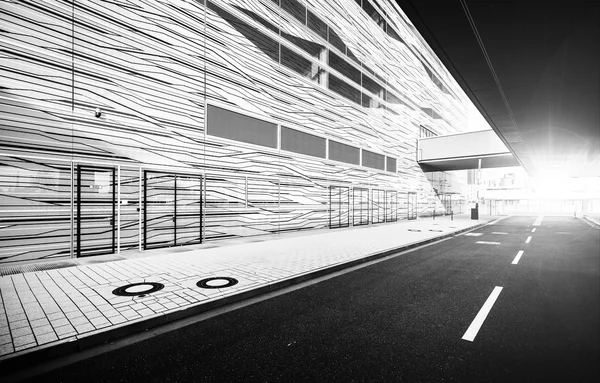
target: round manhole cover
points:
(138, 289)
(216, 282)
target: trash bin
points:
(475, 213)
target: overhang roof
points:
(538, 82)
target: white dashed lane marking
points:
(533, 230)
(488, 243)
(516, 260)
(473, 329)
(528, 239)
(498, 232)
(538, 221)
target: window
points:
(435, 115)
(370, 85)
(304, 143)
(345, 68)
(390, 164)
(373, 160)
(393, 34)
(372, 12)
(317, 25)
(336, 41)
(344, 153)
(294, 8)
(343, 89)
(295, 62)
(263, 42)
(235, 126)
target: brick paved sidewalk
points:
(73, 308)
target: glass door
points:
(339, 207)
(188, 210)
(360, 203)
(412, 205)
(96, 207)
(159, 210)
(172, 209)
(377, 206)
(391, 206)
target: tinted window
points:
(373, 160)
(344, 153)
(391, 164)
(317, 25)
(304, 143)
(344, 89)
(345, 68)
(235, 126)
(295, 9)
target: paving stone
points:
(100, 322)
(21, 331)
(23, 340)
(110, 313)
(6, 349)
(39, 322)
(74, 315)
(170, 305)
(145, 312)
(46, 338)
(64, 330)
(84, 328)
(79, 321)
(54, 316)
(59, 322)
(25, 346)
(43, 330)
(87, 309)
(51, 309)
(117, 319)
(137, 306)
(67, 335)
(5, 339)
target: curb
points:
(26, 358)
(592, 221)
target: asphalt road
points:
(400, 320)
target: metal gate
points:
(172, 209)
(96, 203)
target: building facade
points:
(153, 123)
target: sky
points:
(476, 120)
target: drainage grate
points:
(215, 282)
(19, 269)
(138, 289)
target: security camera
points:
(98, 112)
